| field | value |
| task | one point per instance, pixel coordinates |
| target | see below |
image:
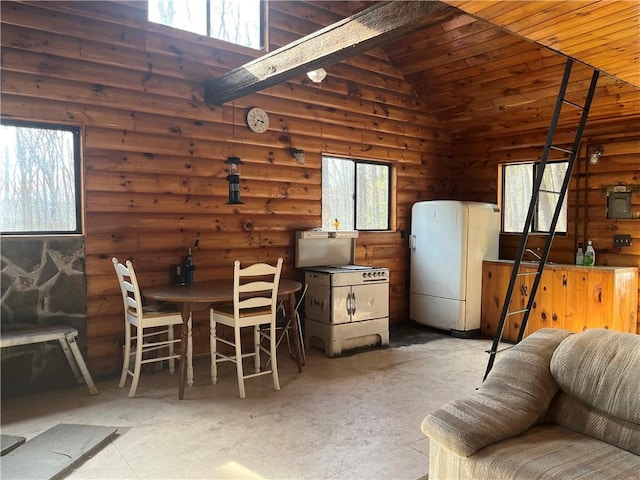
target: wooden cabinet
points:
(569, 296)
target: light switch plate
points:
(622, 240)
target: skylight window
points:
(234, 21)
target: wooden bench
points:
(68, 338)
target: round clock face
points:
(257, 120)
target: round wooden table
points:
(201, 295)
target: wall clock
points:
(257, 120)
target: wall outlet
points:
(623, 240)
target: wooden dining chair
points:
(154, 339)
(284, 325)
(255, 297)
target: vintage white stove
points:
(347, 305)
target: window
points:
(517, 188)
(356, 193)
(40, 183)
(234, 21)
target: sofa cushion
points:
(514, 397)
(552, 452)
(602, 369)
(571, 413)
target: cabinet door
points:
(596, 315)
(548, 310)
(575, 310)
(625, 301)
(519, 301)
(492, 297)
(495, 283)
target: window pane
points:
(39, 181)
(518, 188)
(338, 193)
(372, 202)
(237, 21)
(551, 182)
(189, 15)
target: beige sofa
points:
(556, 405)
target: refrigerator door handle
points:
(412, 242)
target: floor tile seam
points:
(126, 461)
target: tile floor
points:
(352, 417)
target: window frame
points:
(77, 173)
(360, 161)
(263, 34)
(534, 231)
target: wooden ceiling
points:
(604, 34)
(496, 67)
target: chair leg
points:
(239, 370)
(302, 351)
(172, 362)
(213, 347)
(138, 364)
(127, 355)
(256, 348)
(274, 362)
(286, 333)
(189, 354)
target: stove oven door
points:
(356, 303)
(369, 301)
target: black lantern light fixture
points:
(234, 179)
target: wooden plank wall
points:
(476, 164)
(154, 151)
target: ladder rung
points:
(520, 274)
(549, 191)
(515, 312)
(562, 149)
(580, 107)
(491, 352)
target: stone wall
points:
(43, 283)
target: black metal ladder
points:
(573, 155)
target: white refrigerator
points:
(449, 240)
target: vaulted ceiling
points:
(495, 67)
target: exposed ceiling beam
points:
(358, 33)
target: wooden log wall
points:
(475, 172)
(153, 151)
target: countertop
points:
(551, 265)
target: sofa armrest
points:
(514, 396)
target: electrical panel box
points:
(619, 205)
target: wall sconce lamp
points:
(595, 153)
(298, 155)
(234, 179)
(317, 75)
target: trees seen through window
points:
(234, 21)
